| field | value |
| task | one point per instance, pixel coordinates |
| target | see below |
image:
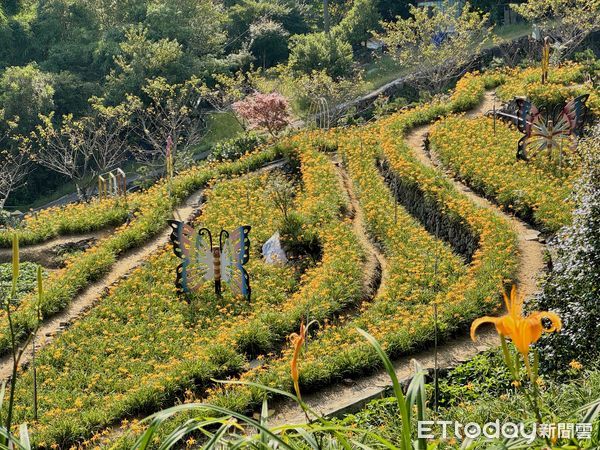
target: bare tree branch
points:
(81, 149)
(568, 22)
(14, 165)
(175, 111)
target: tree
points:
(324, 98)
(266, 111)
(173, 112)
(5, 36)
(358, 24)
(268, 42)
(25, 92)
(197, 25)
(14, 164)
(317, 51)
(291, 14)
(65, 36)
(81, 149)
(568, 22)
(441, 43)
(72, 94)
(140, 59)
(391, 9)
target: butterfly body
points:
(202, 261)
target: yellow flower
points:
(297, 341)
(576, 365)
(522, 330)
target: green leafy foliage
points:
(27, 279)
(25, 92)
(268, 42)
(319, 52)
(484, 375)
(234, 148)
(359, 22)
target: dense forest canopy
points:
(61, 59)
(57, 55)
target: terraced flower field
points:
(486, 161)
(398, 243)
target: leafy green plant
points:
(235, 148)
(16, 351)
(484, 375)
(219, 427)
(26, 282)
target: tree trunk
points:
(80, 191)
(326, 17)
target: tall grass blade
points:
(406, 441)
(24, 437)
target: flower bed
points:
(486, 162)
(81, 270)
(142, 346)
(71, 219)
(401, 318)
(564, 83)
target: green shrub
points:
(316, 52)
(234, 148)
(573, 287)
(484, 375)
(298, 239)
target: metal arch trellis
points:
(321, 112)
(112, 184)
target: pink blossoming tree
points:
(266, 111)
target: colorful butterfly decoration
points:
(204, 262)
(545, 133)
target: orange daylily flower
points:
(522, 330)
(297, 340)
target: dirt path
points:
(530, 249)
(93, 293)
(352, 395)
(376, 267)
(43, 253)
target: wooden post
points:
(113, 184)
(122, 182)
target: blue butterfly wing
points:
(194, 249)
(234, 254)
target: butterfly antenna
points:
(221, 240)
(177, 215)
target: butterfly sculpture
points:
(204, 262)
(546, 132)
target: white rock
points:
(273, 252)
